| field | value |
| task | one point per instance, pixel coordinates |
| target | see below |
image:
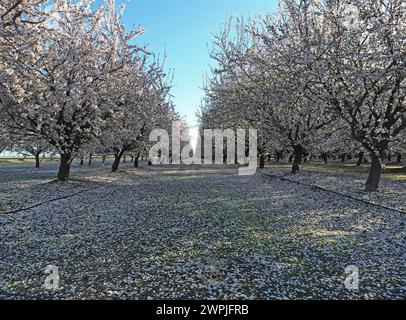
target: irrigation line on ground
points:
(334, 192)
(57, 198)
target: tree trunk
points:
(325, 158)
(64, 167)
(90, 159)
(37, 160)
(360, 157)
(374, 174)
(136, 161)
(261, 161)
(81, 161)
(279, 155)
(104, 160)
(117, 159)
(399, 158)
(298, 154)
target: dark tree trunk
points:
(104, 160)
(90, 159)
(360, 158)
(64, 167)
(298, 154)
(279, 155)
(374, 174)
(261, 161)
(81, 161)
(325, 157)
(37, 160)
(136, 161)
(399, 158)
(117, 159)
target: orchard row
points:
(318, 78)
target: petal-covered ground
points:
(392, 193)
(164, 233)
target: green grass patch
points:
(390, 172)
(26, 160)
(395, 177)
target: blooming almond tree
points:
(16, 13)
(298, 116)
(234, 97)
(315, 69)
(21, 23)
(4, 138)
(59, 88)
(357, 53)
(143, 105)
(260, 84)
(29, 145)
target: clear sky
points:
(184, 29)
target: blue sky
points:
(184, 28)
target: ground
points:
(199, 232)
